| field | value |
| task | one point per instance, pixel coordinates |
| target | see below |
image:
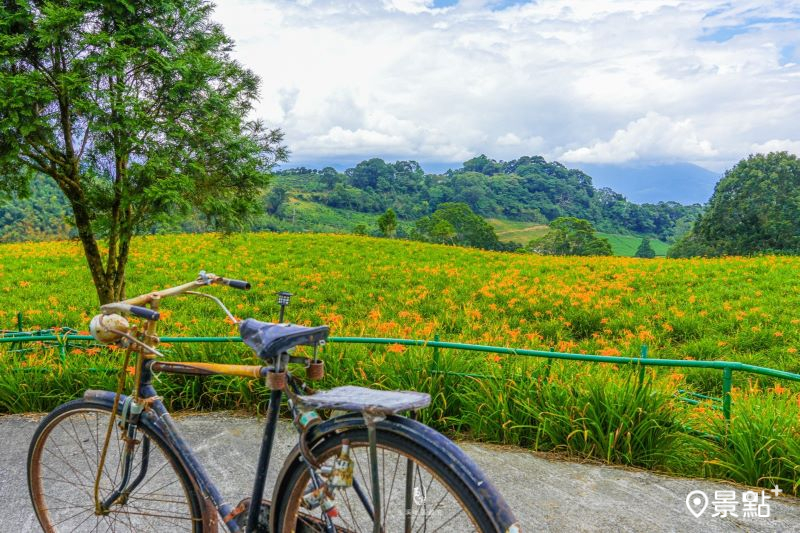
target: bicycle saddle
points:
(269, 340)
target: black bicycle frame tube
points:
(181, 448)
(263, 458)
(167, 426)
(125, 487)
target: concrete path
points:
(545, 494)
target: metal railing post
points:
(19, 328)
(727, 380)
(435, 359)
(641, 367)
(548, 366)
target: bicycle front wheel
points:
(419, 490)
(62, 465)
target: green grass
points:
(626, 245)
(300, 216)
(524, 232)
(516, 231)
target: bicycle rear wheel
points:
(62, 465)
(420, 489)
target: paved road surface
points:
(545, 494)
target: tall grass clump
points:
(601, 414)
(760, 445)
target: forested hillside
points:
(42, 215)
(528, 189)
(525, 189)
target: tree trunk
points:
(105, 292)
(109, 282)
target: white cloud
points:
(410, 6)
(337, 138)
(609, 80)
(653, 135)
(777, 145)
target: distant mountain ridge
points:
(528, 189)
(640, 183)
(684, 183)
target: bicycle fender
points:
(496, 508)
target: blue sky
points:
(579, 81)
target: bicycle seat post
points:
(276, 381)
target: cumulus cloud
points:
(606, 80)
(654, 136)
(778, 145)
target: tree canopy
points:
(645, 250)
(455, 223)
(137, 112)
(387, 223)
(755, 208)
(570, 236)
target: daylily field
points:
(738, 309)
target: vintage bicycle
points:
(116, 462)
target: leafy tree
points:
(645, 249)
(360, 229)
(570, 236)
(275, 199)
(387, 223)
(456, 223)
(755, 208)
(329, 177)
(372, 174)
(483, 165)
(443, 231)
(137, 112)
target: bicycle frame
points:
(146, 399)
(212, 499)
(144, 402)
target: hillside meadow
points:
(739, 309)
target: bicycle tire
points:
(62, 464)
(463, 509)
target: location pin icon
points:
(697, 502)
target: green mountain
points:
(528, 189)
(519, 197)
(42, 215)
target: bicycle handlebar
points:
(143, 312)
(236, 284)
(135, 305)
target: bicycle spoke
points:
(435, 508)
(160, 501)
(388, 498)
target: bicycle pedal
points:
(242, 510)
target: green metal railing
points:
(726, 367)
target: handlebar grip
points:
(238, 284)
(143, 312)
